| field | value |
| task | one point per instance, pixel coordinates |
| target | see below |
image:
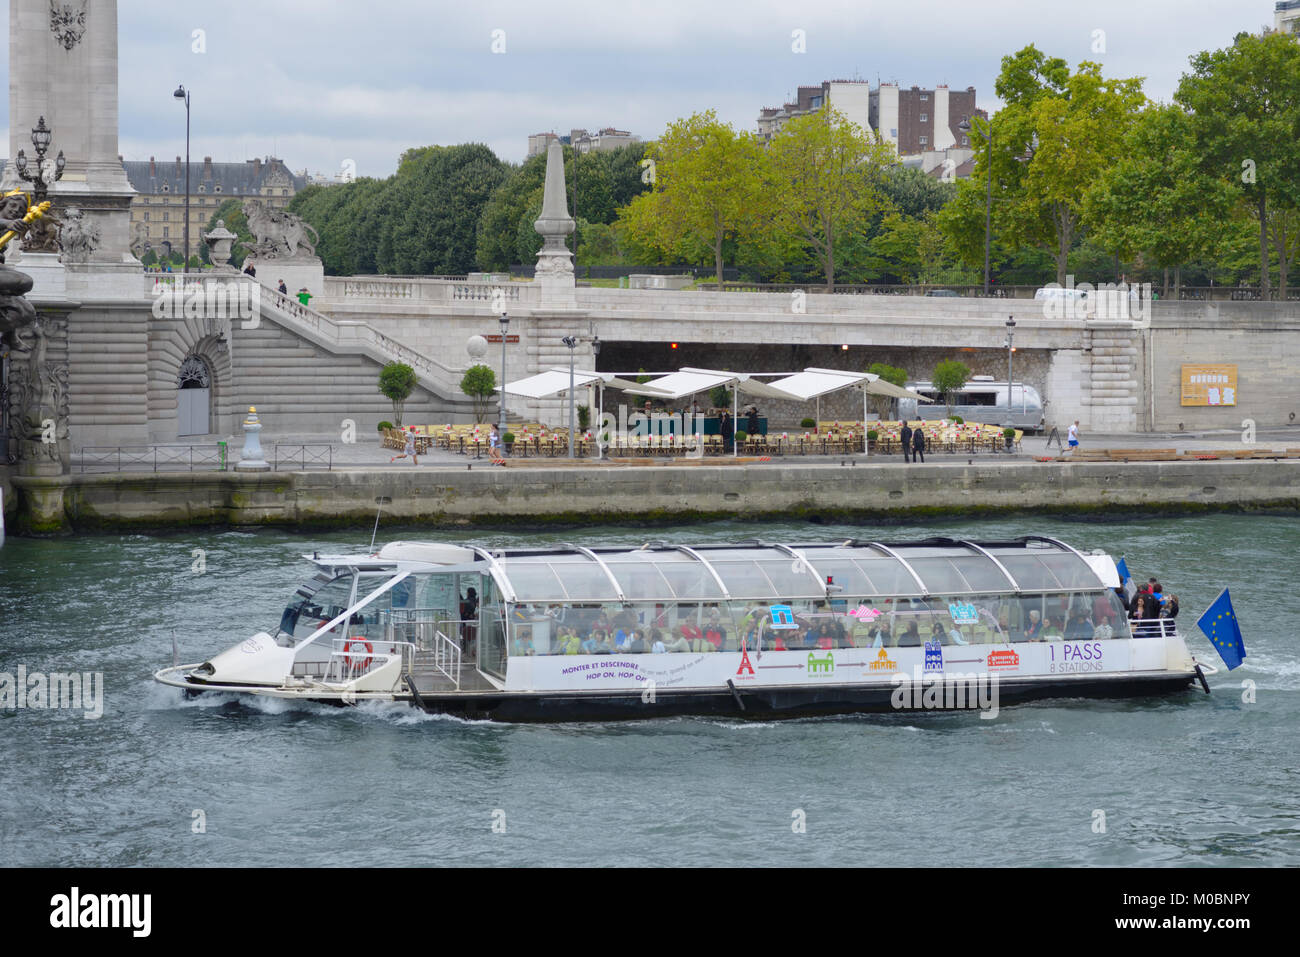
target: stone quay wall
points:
(490, 497)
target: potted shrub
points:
(958, 420)
(1010, 435)
(383, 425)
(509, 440)
(872, 435)
(584, 418)
(808, 424)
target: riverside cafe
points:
(806, 386)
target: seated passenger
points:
(880, 636)
(657, 642)
(523, 642)
(911, 636)
(593, 641)
(1034, 627)
(1053, 629)
(1079, 626)
(937, 633)
(714, 631)
(955, 635)
(636, 643)
(681, 644)
(703, 645)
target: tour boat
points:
(749, 630)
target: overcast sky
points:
(319, 82)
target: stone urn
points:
(220, 242)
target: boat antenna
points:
(381, 501)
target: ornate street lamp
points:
(184, 95)
(572, 343)
(600, 392)
(1011, 327)
(41, 236)
(505, 326)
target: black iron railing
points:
(303, 457)
(153, 458)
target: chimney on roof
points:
(257, 166)
(207, 167)
(153, 167)
(179, 168)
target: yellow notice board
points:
(1209, 385)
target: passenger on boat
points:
(1034, 627)
(956, 637)
(680, 644)
(636, 644)
(1079, 626)
(1053, 630)
(1170, 608)
(714, 631)
(880, 636)
(657, 645)
(523, 642)
(911, 636)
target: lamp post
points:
(572, 343)
(600, 391)
(1011, 327)
(505, 326)
(41, 237)
(966, 127)
(184, 95)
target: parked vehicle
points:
(981, 400)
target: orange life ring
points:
(358, 641)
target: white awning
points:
(813, 383)
(687, 381)
(556, 382)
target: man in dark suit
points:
(906, 437)
(918, 445)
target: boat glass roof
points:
(768, 572)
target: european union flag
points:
(1220, 625)
(1126, 580)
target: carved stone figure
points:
(68, 22)
(277, 234)
(139, 240)
(220, 241)
(78, 237)
(554, 261)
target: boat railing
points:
(446, 658)
(1154, 628)
(355, 657)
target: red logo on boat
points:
(744, 660)
(1003, 659)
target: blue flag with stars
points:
(1220, 625)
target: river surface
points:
(1184, 780)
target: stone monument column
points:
(63, 66)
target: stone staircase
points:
(344, 337)
(1113, 388)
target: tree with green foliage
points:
(883, 405)
(479, 382)
(150, 258)
(826, 176)
(707, 192)
(397, 381)
(1057, 135)
(1156, 200)
(1244, 103)
(950, 377)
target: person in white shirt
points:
(1073, 436)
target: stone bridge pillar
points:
(1114, 389)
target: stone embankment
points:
(486, 496)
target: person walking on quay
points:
(1073, 436)
(752, 424)
(728, 430)
(918, 445)
(250, 269)
(905, 436)
(409, 449)
(283, 288)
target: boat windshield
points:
(318, 601)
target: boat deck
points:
(429, 680)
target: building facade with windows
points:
(158, 209)
(921, 124)
(1286, 16)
